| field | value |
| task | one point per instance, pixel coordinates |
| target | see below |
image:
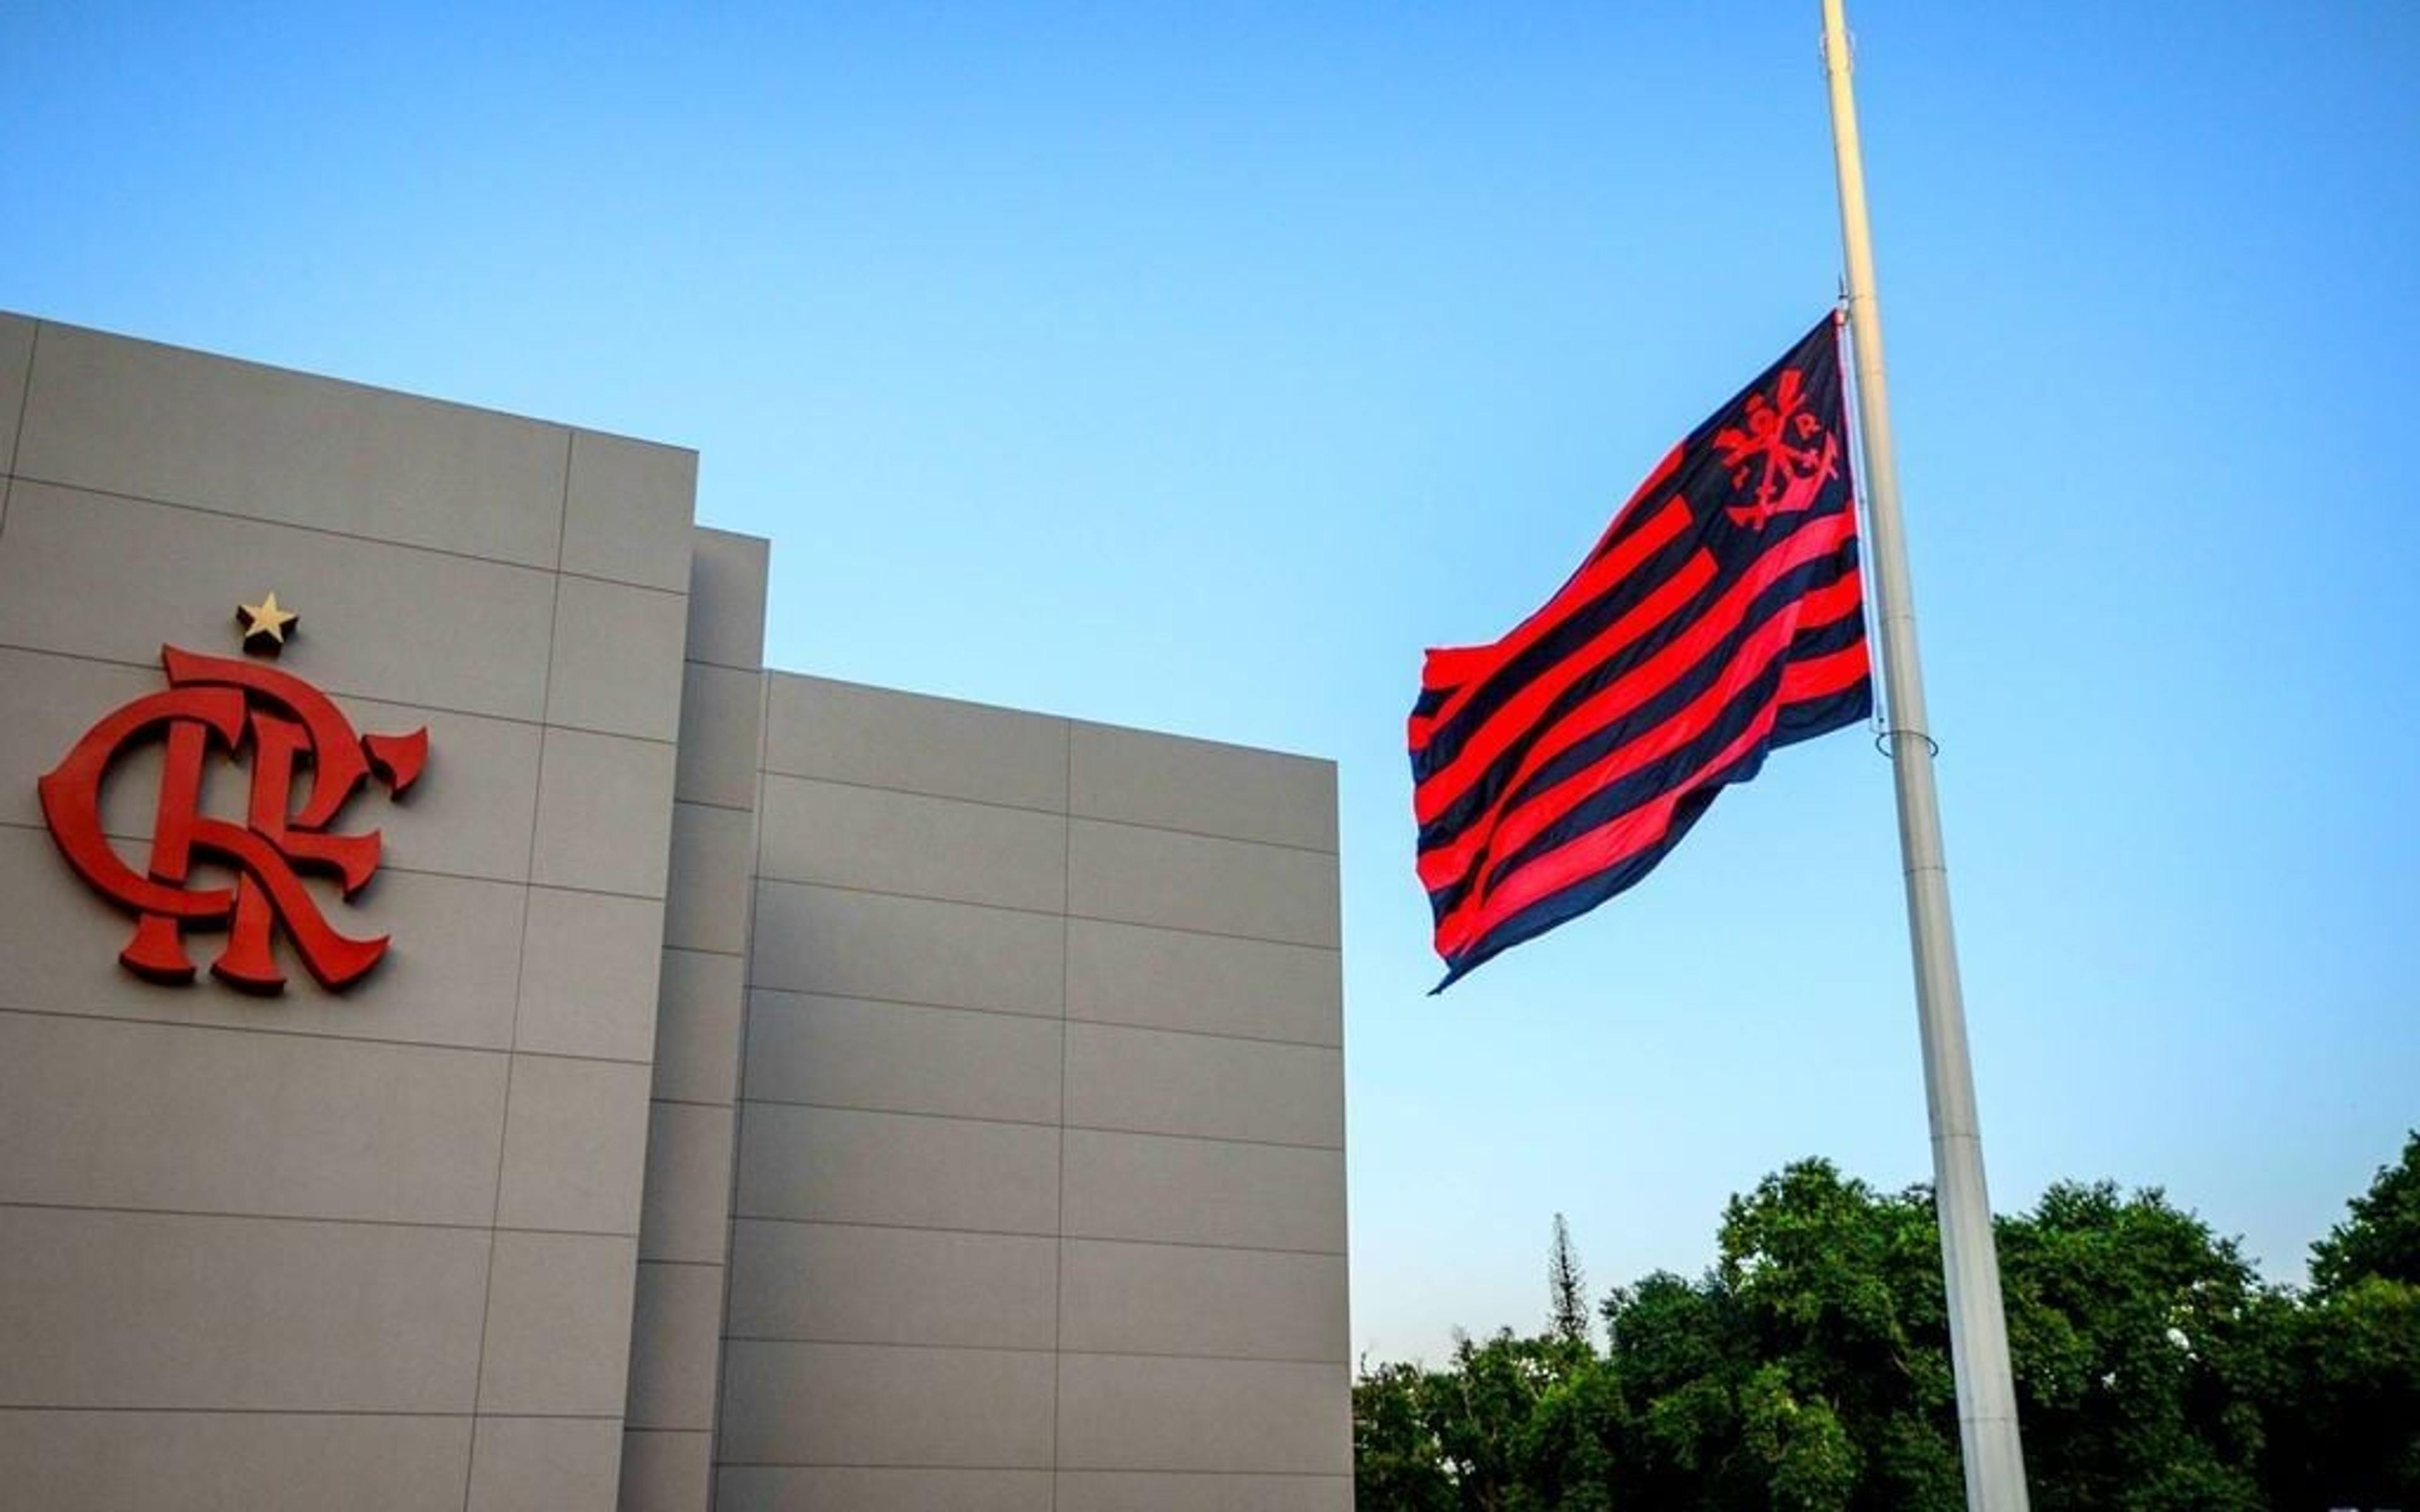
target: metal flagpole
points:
(1978, 1334)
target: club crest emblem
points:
(287, 729)
(1779, 456)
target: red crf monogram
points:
(1780, 456)
(291, 727)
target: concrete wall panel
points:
(367, 602)
(684, 1230)
(688, 1183)
(475, 806)
(575, 1146)
(1204, 1191)
(674, 1346)
(589, 973)
(1176, 1298)
(158, 1310)
(544, 1464)
(16, 360)
(877, 840)
(1207, 984)
(558, 1337)
(1123, 1490)
(665, 1471)
(130, 417)
(96, 1113)
(1141, 777)
(1138, 1412)
(1149, 1081)
(616, 667)
(53, 699)
(831, 1283)
(1207, 906)
(713, 851)
(839, 1052)
(727, 576)
(698, 1026)
(625, 513)
(875, 737)
(846, 943)
(233, 1461)
(860, 1488)
(878, 1405)
(837, 1166)
(603, 807)
(719, 726)
(1221, 886)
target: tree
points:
(2140, 1344)
(1679, 1357)
(1566, 1287)
(2344, 1416)
(1809, 1369)
(2381, 1237)
(1839, 1289)
(1483, 1410)
(1398, 1464)
(1809, 1463)
(2345, 1403)
(1461, 1439)
(1575, 1442)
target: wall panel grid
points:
(780, 1092)
(1041, 1121)
(378, 1247)
(677, 1325)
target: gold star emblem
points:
(265, 626)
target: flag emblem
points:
(1781, 454)
(1718, 617)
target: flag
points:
(1719, 616)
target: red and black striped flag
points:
(1718, 617)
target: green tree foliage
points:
(2344, 1388)
(2139, 1335)
(1809, 1369)
(1398, 1458)
(1468, 1438)
(2344, 1419)
(2381, 1237)
(1839, 1286)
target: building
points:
(773, 1092)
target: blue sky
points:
(1196, 367)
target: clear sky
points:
(1196, 367)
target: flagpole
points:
(1978, 1334)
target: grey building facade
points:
(775, 1093)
